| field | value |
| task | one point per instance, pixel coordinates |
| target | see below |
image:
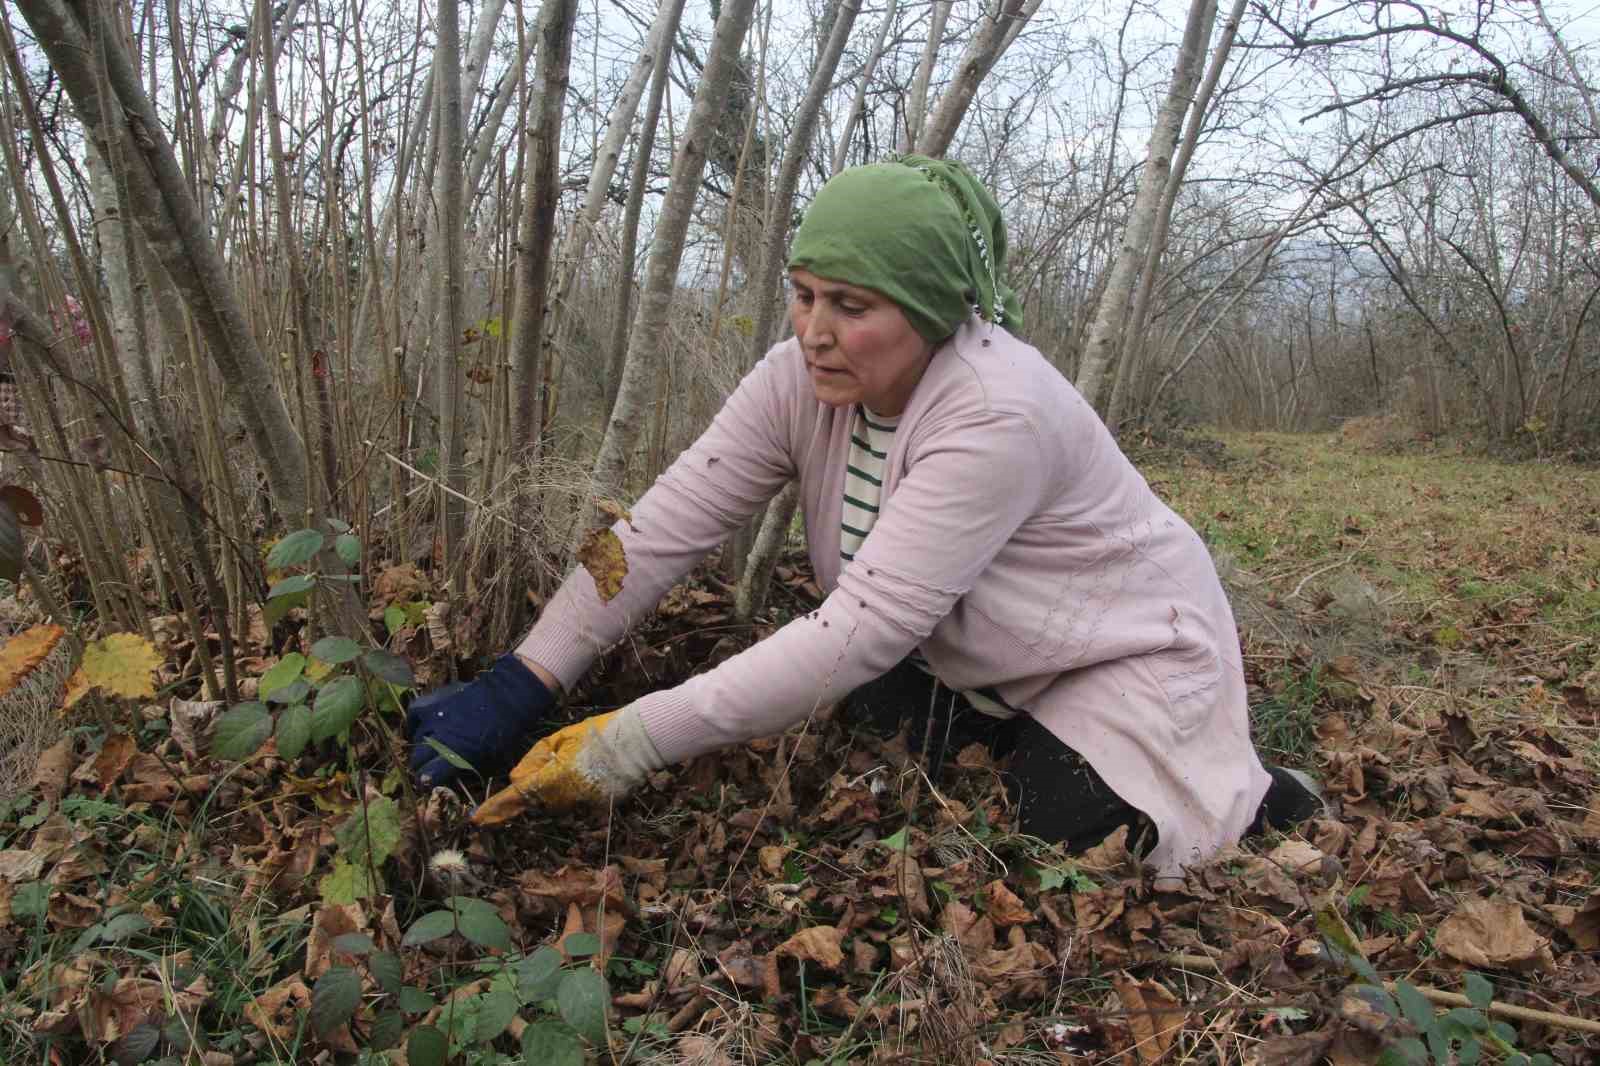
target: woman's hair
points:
(924, 232)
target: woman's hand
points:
(598, 759)
(489, 721)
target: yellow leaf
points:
(78, 687)
(601, 554)
(23, 652)
(122, 664)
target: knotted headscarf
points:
(924, 232)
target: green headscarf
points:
(924, 232)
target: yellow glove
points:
(592, 761)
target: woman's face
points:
(859, 346)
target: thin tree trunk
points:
(617, 349)
(537, 233)
(917, 108)
(166, 211)
(858, 105)
(1106, 334)
(976, 61)
(666, 251)
(448, 281)
(619, 124)
(1128, 376)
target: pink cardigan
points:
(1017, 547)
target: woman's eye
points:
(853, 309)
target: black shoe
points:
(1293, 797)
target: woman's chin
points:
(833, 395)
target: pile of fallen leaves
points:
(814, 897)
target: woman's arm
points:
(966, 492)
(719, 482)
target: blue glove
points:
(489, 721)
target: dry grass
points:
(30, 721)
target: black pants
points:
(1059, 796)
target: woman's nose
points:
(818, 331)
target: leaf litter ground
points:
(1421, 632)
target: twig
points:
(446, 489)
(1320, 570)
(1444, 999)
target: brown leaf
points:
(819, 944)
(68, 910)
(1581, 924)
(50, 773)
(21, 653)
(1155, 1017)
(601, 554)
(276, 1011)
(330, 922)
(971, 931)
(113, 758)
(739, 965)
(191, 722)
(1002, 905)
(1301, 1049)
(17, 865)
(1493, 933)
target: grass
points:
(1468, 576)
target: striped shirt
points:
(870, 440)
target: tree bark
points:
(448, 283)
(167, 214)
(841, 151)
(986, 46)
(1106, 334)
(666, 248)
(917, 108)
(617, 348)
(1129, 374)
(541, 190)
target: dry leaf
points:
(601, 554)
(50, 774)
(191, 722)
(113, 758)
(1155, 1017)
(1492, 933)
(23, 652)
(17, 865)
(1002, 905)
(1581, 924)
(123, 664)
(819, 944)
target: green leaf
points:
(1470, 1053)
(414, 1000)
(430, 927)
(335, 650)
(386, 970)
(486, 930)
(582, 997)
(298, 547)
(1479, 989)
(295, 691)
(390, 667)
(579, 945)
(338, 703)
(394, 619)
(387, 1028)
(426, 1046)
(241, 731)
(1407, 1052)
(1415, 1006)
(449, 755)
(278, 609)
(287, 669)
(30, 900)
(551, 1043)
(1466, 1019)
(348, 547)
(338, 525)
(495, 1011)
(354, 944)
(895, 841)
(534, 973)
(137, 1045)
(372, 831)
(291, 585)
(334, 998)
(123, 926)
(294, 730)
(347, 883)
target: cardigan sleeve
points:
(719, 482)
(969, 485)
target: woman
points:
(964, 508)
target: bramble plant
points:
(571, 999)
(1456, 1036)
(318, 698)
